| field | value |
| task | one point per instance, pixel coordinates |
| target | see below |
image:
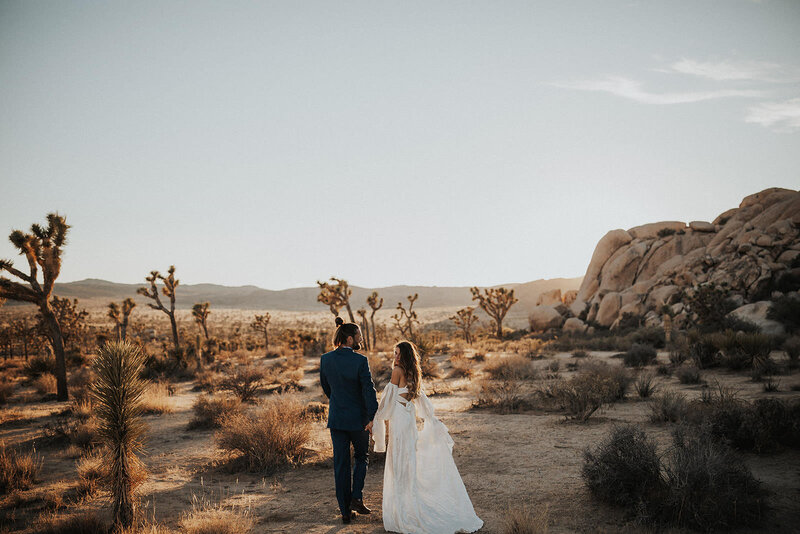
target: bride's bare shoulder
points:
(398, 375)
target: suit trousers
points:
(341, 440)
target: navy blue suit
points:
(346, 380)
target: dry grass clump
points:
(639, 355)
(210, 411)
(524, 520)
(461, 368)
(514, 367)
(645, 385)
(274, 436)
(316, 411)
(92, 469)
(79, 380)
(688, 374)
(207, 518)
(584, 394)
(208, 381)
(17, 470)
(619, 377)
(502, 397)
(156, 399)
(38, 365)
(45, 383)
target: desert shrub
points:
(381, 369)
(711, 304)
(580, 354)
(639, 355)
(708, 486)
(462, 369)
(688, 374)
(17, 470)
(522, 519)
(245, 383)
(624, 468)
(740, 350)
(6, 391)
(645, 385)
(771, 385)
(792, 348)
(584, 394)
(664, 370)
(786, 310)
(81, 523)
(208, 381)
(430, 369)
(315, 411)
(38, 365)
(670, 406)
(274, 436)
(649, 335)
(664, 232)
(45, 383)
(619, 376)
(79, 381)
(502, 397)
(479, 357)
(514, 367)
(679, 350)
(210, 411)
(703, 352)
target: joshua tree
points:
(404, 321)
(376, 305)
(120, 316)
(495, 302)
(42, 248)
(362, 312)
(261, 324)
(200, 313)
(70, 319)
(24, 332)
(336, 296)
(117, 391)
(169, 291)
(464, 319)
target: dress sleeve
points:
(434, 431)
(384, 413)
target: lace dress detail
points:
(422, 490)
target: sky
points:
(449, 143)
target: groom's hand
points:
(368, 428)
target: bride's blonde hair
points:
(409, 362)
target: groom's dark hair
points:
(343, 331)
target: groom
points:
(347, 382)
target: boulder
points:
(545, 317)
(608, 245)
(788, 256)
(702, 226)
(569, 297)
(650, 231)
(574, 325)
(608, 311)
(549, 297)
(578, 307)
(662, 295)
(620, 270)
(756, 313)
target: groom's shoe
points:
(346, 519)
(358, 506)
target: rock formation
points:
(641, 270)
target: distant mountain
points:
(93, 292)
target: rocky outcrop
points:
(546, 317)
(641, 270)
(548, 298)
(756, 313)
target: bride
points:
(422, 490)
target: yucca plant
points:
(117, 392)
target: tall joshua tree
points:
(71, 320)
(200, 313)
(120, 315)
(170, 283)
(405, 319)
(362, 312)
(464, 319)
(376, 305)
(496, 303)
(42, 248)
(261, 324)
(336, 296)
(117, 391)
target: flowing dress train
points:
(422, 490)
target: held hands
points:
(368, 428)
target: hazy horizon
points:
(451, 144)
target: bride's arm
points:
(385, 410)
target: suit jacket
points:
(346, 380)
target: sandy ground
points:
(504, 460)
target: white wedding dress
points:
(422, 490)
